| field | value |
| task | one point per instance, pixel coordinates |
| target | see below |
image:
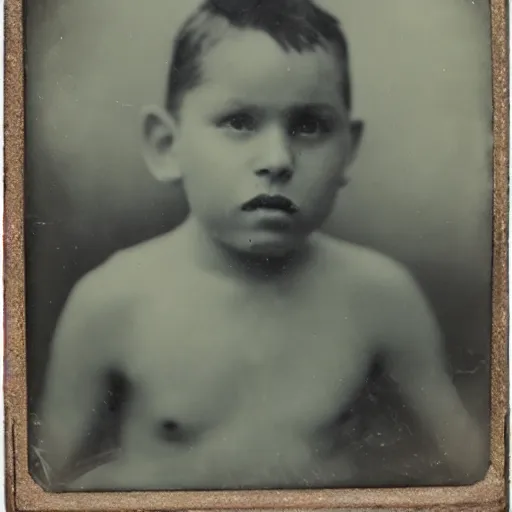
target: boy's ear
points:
(356, 136)
(159, 133)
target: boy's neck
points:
(215, 256)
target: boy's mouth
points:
(268, 202)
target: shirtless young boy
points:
(245, 334)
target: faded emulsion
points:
(258, 243)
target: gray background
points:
(420, 190)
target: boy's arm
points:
(416, 361)
(74, 384)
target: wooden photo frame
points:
(24, 494)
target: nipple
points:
(171, 431)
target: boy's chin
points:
(267, 245)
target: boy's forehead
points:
(249, 64)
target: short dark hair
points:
(297, 25)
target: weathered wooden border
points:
(24, 494)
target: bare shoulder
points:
(385, 292)
(104, 300)
(96, 305)
(130, 273)
(369, 270)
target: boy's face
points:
(262, 144)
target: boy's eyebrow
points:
(233, 105)
(315, 108)
(318, 108)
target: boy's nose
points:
(277, 163)
(281, 174)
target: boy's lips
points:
(270, 202)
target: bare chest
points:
(214, 361)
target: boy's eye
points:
(309, 125)
(240, 122)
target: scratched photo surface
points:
(258, 243)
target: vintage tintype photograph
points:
(258, 239)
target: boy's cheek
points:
(209, 149)
(320, 171)
(325, 157)
(203, 157)
(317, 193)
